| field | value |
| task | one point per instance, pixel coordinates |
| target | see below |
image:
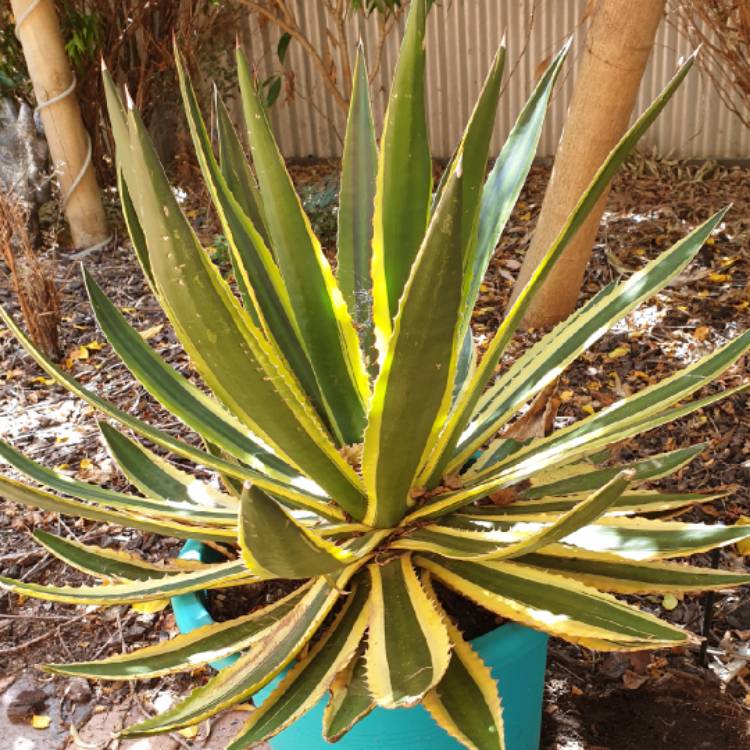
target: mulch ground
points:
(660, 700)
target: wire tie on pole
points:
(43, 104)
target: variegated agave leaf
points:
(343, 413)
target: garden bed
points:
(709, 303)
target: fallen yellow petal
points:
(151, 332)
(620, 351)
(40, 722)
(743, 547)
(148, 608)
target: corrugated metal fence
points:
(462, 38)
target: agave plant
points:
(356, 432)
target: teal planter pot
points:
(190, 610)
(516, 655)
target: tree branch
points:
(292, 28)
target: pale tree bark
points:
(618, 44)
(51, 76)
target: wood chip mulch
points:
(653, 203)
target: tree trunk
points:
(618, 44)
(49, 69)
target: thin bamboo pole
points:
(38, 30)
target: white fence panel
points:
(462, 38)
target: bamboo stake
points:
(38, 30)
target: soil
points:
(593, 701)
(226, 604)
(677, 706)
(471, 619)
(671, 717)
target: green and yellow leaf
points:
(188, 651)
(408, 649)
(466, 702)
(402, 419)
(158, 479)
(645, 501)
(230, 353)
(576, 518)
(237, 171)
(258, 274)
(103, 496)
(273, 543)
(254, 669)
(646, 539)
(651, 468)
(322, 318)
(160, 437)
(307, 681)
(402, 198)
(355, 215)
(629, 577)
(508, 174)
(108, 563)
(350, 699)
(221, 575)
(538, 366)
(554, 604)
(35, 498)
(199, 412)
(464, 409)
